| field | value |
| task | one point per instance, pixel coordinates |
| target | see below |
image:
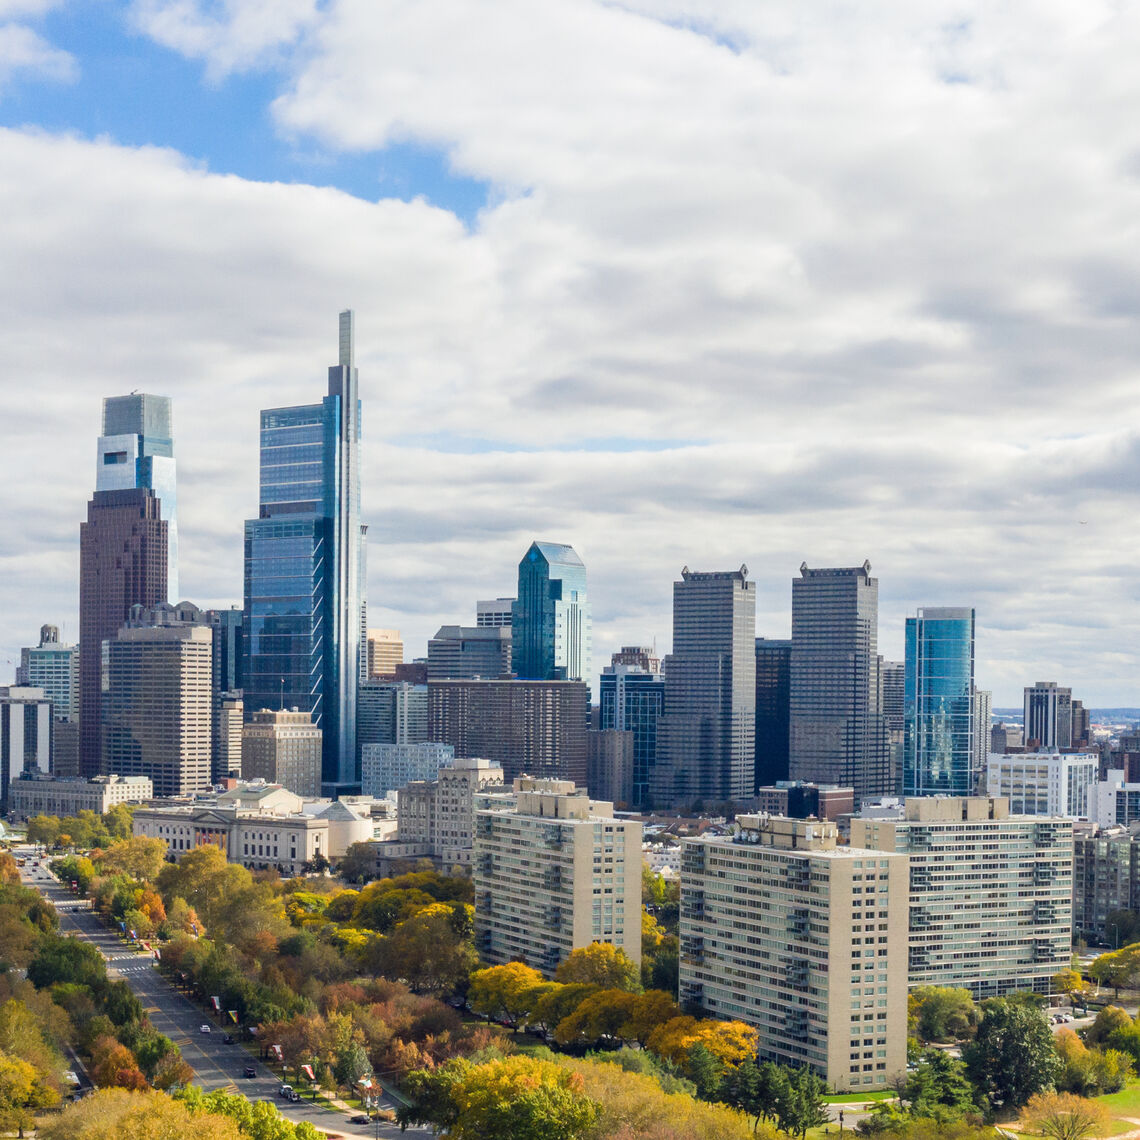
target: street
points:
(215, 1064)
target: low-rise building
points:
(798, 799)
(553, 872)
(786, 930)
(990, 893)
(37, 794)
(1046, 782)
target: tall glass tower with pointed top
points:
(304, 568)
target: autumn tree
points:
(600, 964)
(116, 1114)
(429, 951)
(503, 992)
(113, 1065)
(141, 857)
(1063, 1116)
(728, 1041)
(23, 1092)
(1106, 1022)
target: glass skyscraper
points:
(938, 704)
(304, 568)
(136, 450)
(550, 619)
(632, 699)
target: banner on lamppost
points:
(233, 1015)
(308, 1071)
(217, 1004)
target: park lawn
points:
(858, 1098)
(1124, 1103)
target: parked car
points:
(285, 1090)
(362, 1119)
(203, 1028)
(251, 1070)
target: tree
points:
(1111, 1018)
(517, 1096)
(67, 959)
(1068, 982)
(116, 1114)
(23, 1092)
(1090, 1072)
(939, 1088)
(114, 1065)
(1063, 1116)
(352, 1065)
(729, 1041)
(1121, 927)
(503, 991)
(1012, 1057)
(646, 1012)
(141, 857)
(801, 1106)
(600, 964)
(603, 1014)
(427, 951)
(941, 1012)
(705, 1071)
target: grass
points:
(858, 1098)
(1124, 1103)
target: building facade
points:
(385, 652)
(983, 724)
(36, 794)
(388, 767)
(494, 612)
(1046, 783)
(530, 727)
(157, 706)
(632, 699)
(806, 940)
(391, 712)
(554, 872)
(939, 753)
(1048, 715)
(25, 735)
(1106, 878)
(797, 800)
(990, 893)
(53, 667)
(837, 731)
(305, 608)
(283, 747)
(773, 709)
(459, 651)
(609, 766)
(551, 636)
(706, 737)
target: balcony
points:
(797, 971)
(485, 863)
(553, 838)
(693, 905)
(797, 876)
(693, 949)
(797, 922)
(552, 879)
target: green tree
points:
(705, 1071)
(23, 1092)
(600, 964)
(141, 857)
(1012, 1057)
(352, 1065)
(1110, 1019)
(939, 1088)
(427, 951)
(942, 1012)
(44, 829)
(67, 959)
(801, 1105)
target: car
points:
(203, 1028)
(285, 1090)
(71, 1077)
(362, 1119)
(250, 1070)
(294, 1095)
(228, 1039)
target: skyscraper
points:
(304, 568)
(938, 703)
(631, 699)
(122, 563)
(773, 691)
(1048, 715)
(54, 667)
(550, 620)
(136, 450)
(837, 733)
(25, 735)
(706, 737)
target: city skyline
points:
(621, 310)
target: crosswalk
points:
(145, 968)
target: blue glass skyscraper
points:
(550, 619)
(632, 699)
(938, 704)
(304, 568)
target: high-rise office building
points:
(631, 699)
(388, 767)
(773, 706)
(991, 902)
(983, 722)
(534, 728)
(837, 734)
(385, 652)
(1048, 715)
(227, 627)
(1081, 732)
(304, 568)
(1062, 784)
(136, 450)
(550, 619)
(641, 656)
(939, 755)
(819, 971)
(283, 747)
(892, 704)
(122, 563)
(555, 871)
(494, 612)
(459, 651)
(609, 766)
(706, 737)
(25, 735)
(54, 667)
(158, 706)
(391, 712)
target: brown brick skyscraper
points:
(122, 561)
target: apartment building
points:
(784, 929)
(553, 872)
(990, 893)
(37, 794)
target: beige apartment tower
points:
(157, 706)
(991, 904)
(806, 940)
(385, 652)
(283, 747)
(553, 872)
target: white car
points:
(203, 1028)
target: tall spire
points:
(347, 339)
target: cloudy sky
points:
(675, 282)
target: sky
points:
(677, 283)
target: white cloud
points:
(230, 35)
(877, 262)
(23, 51)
